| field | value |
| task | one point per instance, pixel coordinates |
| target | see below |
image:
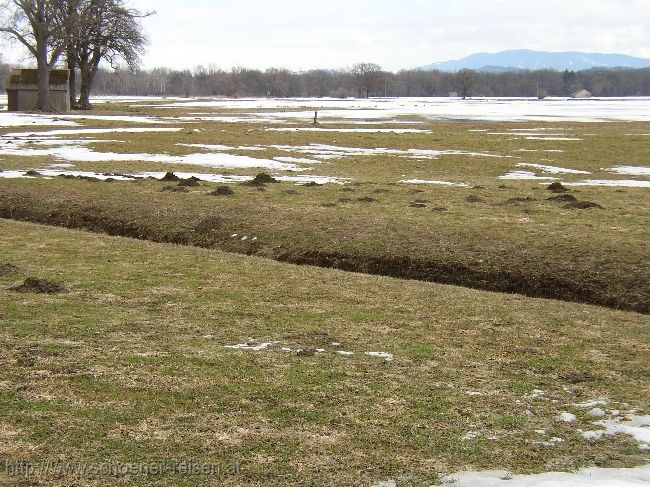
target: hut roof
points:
(30, 77)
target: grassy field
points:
(130, 366)
(198, 342)
(493, 234)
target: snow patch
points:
(552, 169)
(525, 175)
(586, 477)
(427, 181)
(630, 170)
(637, 427)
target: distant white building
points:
(581, 94)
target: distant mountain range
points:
(524, 59)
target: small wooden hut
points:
(22, 90)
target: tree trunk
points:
(87, 72)
(72, 84)
(84, 88)
(43, 100)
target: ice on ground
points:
(385, 483)
(428, 181)
(13, 119)
(525, 175)
(528, 133)
(15, 175)
(567, 417)
(385, 355)
(117, 118)
(469, 436)
(552, 138)
(297, 160)
(597, 413)
(356, 130)
(60, 132)
(252, 346)
(551, 442)
(552, 169)
(495, 109)
(79, 153)
(592, 403)
(625, 183)
(586, 477)
(536, 394)
(630, 170)
(637, 427)
(219, 147)
(324, 151)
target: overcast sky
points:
(303, 34)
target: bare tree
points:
(368, 77)
(467, 78)
(41, 26)
(108, 30)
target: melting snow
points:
(636, 426)
(524, 175)
(630, 170)
(356, 130)
(587, 477)
(469, 436)
(566, 417)
(552, 169)
(426, 181)
(385, 355)
(498, 109)
(12, 119)
(80, 131)
(626, 183)
(252, 346)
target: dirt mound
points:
(41, 286)
(312, 184)
(7, 269)
(566, 198)
(418, 204)
(170, 176)
(366, 199)
(260, 181)
(263, 178)
(557, 187)
(33, 173)
(222, 191)
(474, 199)
(582, 205)
(190, 182)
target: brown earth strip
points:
(544, 280)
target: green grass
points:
(130, 366)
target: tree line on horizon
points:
(367, 80)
